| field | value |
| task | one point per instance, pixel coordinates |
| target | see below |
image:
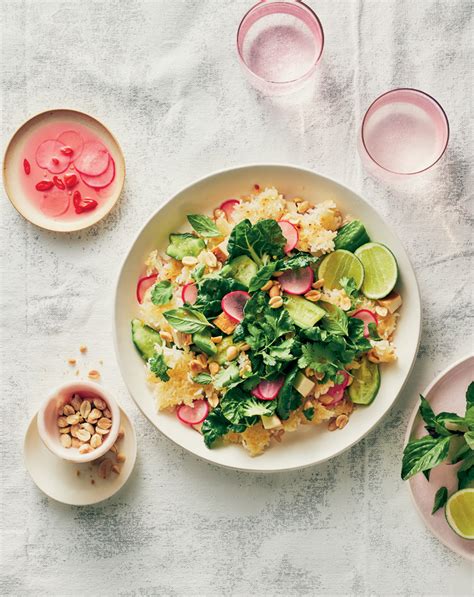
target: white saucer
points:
(59, 479)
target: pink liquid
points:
(58, 203)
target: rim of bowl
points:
(10, 195)
(137, 236)
(431, 98)
(101, 393)
(305, 75)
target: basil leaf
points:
(162, 293)
(204, 226)
(461, 449)
(202, 378)
(469, 437)
(335, 321)
(426, 412)
(424, 454)
(470, 395)
(450, 422)
(186, 320)
(469, 418)
(262, 276)
(159, 367)
(466, 471)
(440, 499)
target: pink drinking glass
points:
(279, 44)
(405, 131)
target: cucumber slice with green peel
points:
(366, 382)
(242, 269)
(341, 264)
(203, 342)
(351, 236)
(381, 270)
(304, 313)
(184, 245)
(221, 355)
(145, 338)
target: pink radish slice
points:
(337, 391)
(233, 304)
(102, 180)
(93, 160)
(297, 281)
(55, 202)
(367, 317)
(73, 140)
(189, 293)
(228, 207)
(143, 285)
(193, 415)
(290, 232)
(49, 156)
(257, 394)
(268, 390)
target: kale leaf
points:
(261, 241)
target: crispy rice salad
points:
(275, 313)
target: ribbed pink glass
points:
(279, 45)
(405, 131)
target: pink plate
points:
(446, 393)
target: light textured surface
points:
(164, 77)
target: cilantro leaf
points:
(198, 272)
(260, 241)
(288, 398)
(335, 321)
(227, 376)
(159, 367)
(253, 407)
(162, 292)
(264, 274)
(233, 407)
(204, 226)
(440, 499)
(320, 358)
(215, 425)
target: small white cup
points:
(48, 415)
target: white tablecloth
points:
(164, 77)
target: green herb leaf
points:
(440, 499)
(470, 395)
(319, 357)
(335, 321)
(186, 320)
(253, 407)
(162, 293)
(202, 378)
(466, 471)
(426, 412)
(198, 272)
(262, 276)
(214, 426)
(227, 376)
(211, 290)
(159, 367)
(233, 408)
(260, 242)
(469, 437)
(350, 288)
(309, 413)
(288, 398)
(204, 226)
(469, 418)
(423, 454)
(297, 261)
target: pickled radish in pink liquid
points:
(280, 48)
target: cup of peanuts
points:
(79, 421)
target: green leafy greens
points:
(159, 367)
(261, 241)
(204, 226)
(187, 320)
(162, 292)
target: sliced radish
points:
(257, 394)
(233, 304)
(102, 180)
(143, 285)
(337, 391)
(93, 160)
(228, 207)
(49, 156)
(297, 281)
(55, 202)
(189, 293)
(193, 415)
(290, 232)
(268, 390)
(367, 317)
(71, 140)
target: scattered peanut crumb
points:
(92, 482)
(77, 371)
(72, 361)
(78, 473)
(83, 348)
(93, 374)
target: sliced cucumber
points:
(221, 356)
(366, 382)
(304, 313)
(184, 245)
(203, 342)
(351, 236)
(145, 338)
(242, 269)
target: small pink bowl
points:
(48, 414)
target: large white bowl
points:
(309, 445)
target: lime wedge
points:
(381, 270)
(341, 264)
(366, 382)
(460, 513)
